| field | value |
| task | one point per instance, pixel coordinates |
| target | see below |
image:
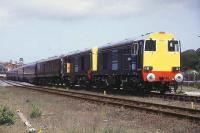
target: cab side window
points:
(150, 45)
(173, 46)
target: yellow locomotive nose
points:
(161, 54)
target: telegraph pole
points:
(21, 61)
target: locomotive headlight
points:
(179, 77)
(151, 77)
(148, 68)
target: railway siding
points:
(178, 97)
(4, 84)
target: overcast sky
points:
(36, 29)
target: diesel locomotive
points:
(146, 63)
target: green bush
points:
(6, 116)
(35, 111)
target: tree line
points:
(190, 59)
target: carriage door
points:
(140, 54)
(69, 66)
(127, 59)
(134, 56)
(62, 67)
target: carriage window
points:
(127, 50)
(114, 55)
(173, 46)
(105, 60)
(48, 66)
(126, 58)
(114, 60)
(150, 45)
(43, 68)
(76, 64)
(82, 63)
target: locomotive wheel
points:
(141, 89)
(164, 88)
(175, 87)
(162, 91)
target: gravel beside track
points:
(180, 112)
(69, 115)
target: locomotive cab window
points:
(150, 45)
(173, 46)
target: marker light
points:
(148, 68)
(151, 77)
(176, 69)
(179, 77)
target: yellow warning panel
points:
(94, 58)
(69, 67)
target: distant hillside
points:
(190, 59)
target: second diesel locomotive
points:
(149, 62)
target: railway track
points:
(177, 97)
(179, 112)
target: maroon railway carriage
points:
(49, 71)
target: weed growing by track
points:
(6, 116)
(36, 112)
(114, 130)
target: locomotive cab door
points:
(130, 55)
(134, 56)
(140, 54)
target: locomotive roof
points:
(126, 41)
(108, 45)
(30, 64)
(49, 59)
(76, 52)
